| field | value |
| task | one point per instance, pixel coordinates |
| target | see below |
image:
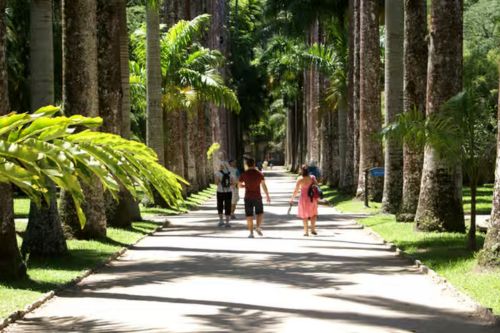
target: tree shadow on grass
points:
(442, 249)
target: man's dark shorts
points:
(253, 204)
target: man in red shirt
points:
(252, 180)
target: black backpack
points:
(314, 192)
(226, 180)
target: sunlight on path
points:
(194, 277)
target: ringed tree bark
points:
(11, 264)
(313, 108)
(440, 202)
(154, 123)
(370, 116)
(80, 95)
(346, 122)
(131, 204)
(356, 92)
(219, 39)
(394, 39)
(110, 14)
(490, 255)
(44, 234)
(415, 80)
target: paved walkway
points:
(194, 277)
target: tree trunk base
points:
(490, 255)
(405, 217)
(44, 235)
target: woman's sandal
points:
(306, 235)
(314, 233)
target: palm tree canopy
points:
(41, 147)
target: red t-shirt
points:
(252, 179)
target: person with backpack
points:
(236, 195)
(225, 183)
(310, 194)
(252, 180)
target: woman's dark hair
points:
(250, 162)
(304, 171)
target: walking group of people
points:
(229, 181)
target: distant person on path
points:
(314, 170)
(236, 195)
(224, 181)
(252, 180)
(308, 200)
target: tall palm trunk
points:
(313, 118)
(346, 119)
(490, 255)
(370, 118)
(154, 124)
(415, 80)
(44, 235)
(80, 93)
(130, 204)
(110, 14)
(219, 40)
(440, 203)
(11, 264)
(394, 39)
(356, 93)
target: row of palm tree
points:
(423, 76)
(97, 84)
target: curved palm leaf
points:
(41, 147)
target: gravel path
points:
(194, 277)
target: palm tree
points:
(490, 255)
(130, 206)
(81, 97)
(370, 116)
(39, 150)
(44, 235)
(218, 39)
(415, 79)
(440, 202)
(11, 265)
(347, 182)
(154, 128)
(394, 39)
(110, 15)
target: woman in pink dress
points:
(308, 207)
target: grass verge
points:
(347, 203)
(446, 254)
(51, 273)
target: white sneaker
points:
(259, 231)
(250, 236)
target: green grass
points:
(48, 274)
(483, 200)
(348, 204)
(445, 253)
(21, 207)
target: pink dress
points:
(307, 208)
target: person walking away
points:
(308, 200)
(224, 182)
(252, 180)
(235, 190)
